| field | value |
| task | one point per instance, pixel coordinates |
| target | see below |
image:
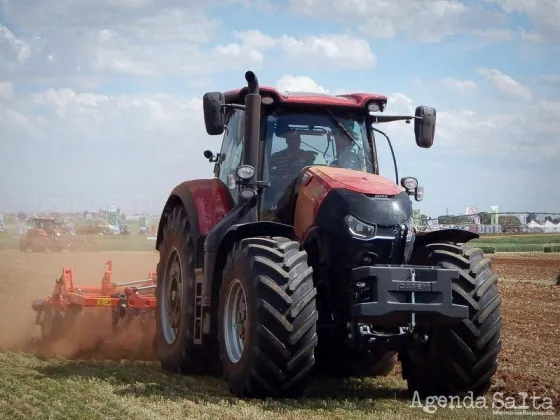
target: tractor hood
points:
(372, 199)
(360, 182)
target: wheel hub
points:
(172, 286)
(235, 321)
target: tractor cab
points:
(42, 225)
(295, 130)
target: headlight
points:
(359, 229)
(409, 225)
(245, 172)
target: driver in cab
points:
(286, 164)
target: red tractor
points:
(44, 234)
(305, 260)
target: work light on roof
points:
(267, 100)
(373, 107)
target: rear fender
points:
(215, 261)
(206, 202)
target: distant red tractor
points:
(303, 259)
(48, 234)
(44, 234)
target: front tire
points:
(461, 358)
(267, 319)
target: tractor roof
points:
(351, 100)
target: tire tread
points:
(286, 317)
(465, 355)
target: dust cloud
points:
(25, 277)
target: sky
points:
(101, 100)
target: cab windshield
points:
(295, 140)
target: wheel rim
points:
(171, 302)
(235, 321)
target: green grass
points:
(491, 248)
(551, 248)
(509, 247)
(549, 242)
(524, 239)
(61, 389)
(519, 243)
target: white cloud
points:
(529, 135)
(169, 42)
(418, 20)
(336, 51)
(550, 78)
(332, 51)
(104, 119)
(434, 20)
(460, 85)
(91, 42)
(544, 15)
(13, 51)
(6, 90)
(496, 35)
(289, 83)
(146, 41)
(506, 84)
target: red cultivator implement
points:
(61, 314)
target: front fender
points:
(216, 253)
(206, 201)
(247, 230)
(445, 235)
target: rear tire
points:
(273, 356)
(462, 358)
(175, 294)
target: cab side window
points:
(232, 146)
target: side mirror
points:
(410, 184)
(210, 156)
(214, 118)
(425, 126)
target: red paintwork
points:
(319, 180)
(352, 100)
(211, 201)
(362, 182)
